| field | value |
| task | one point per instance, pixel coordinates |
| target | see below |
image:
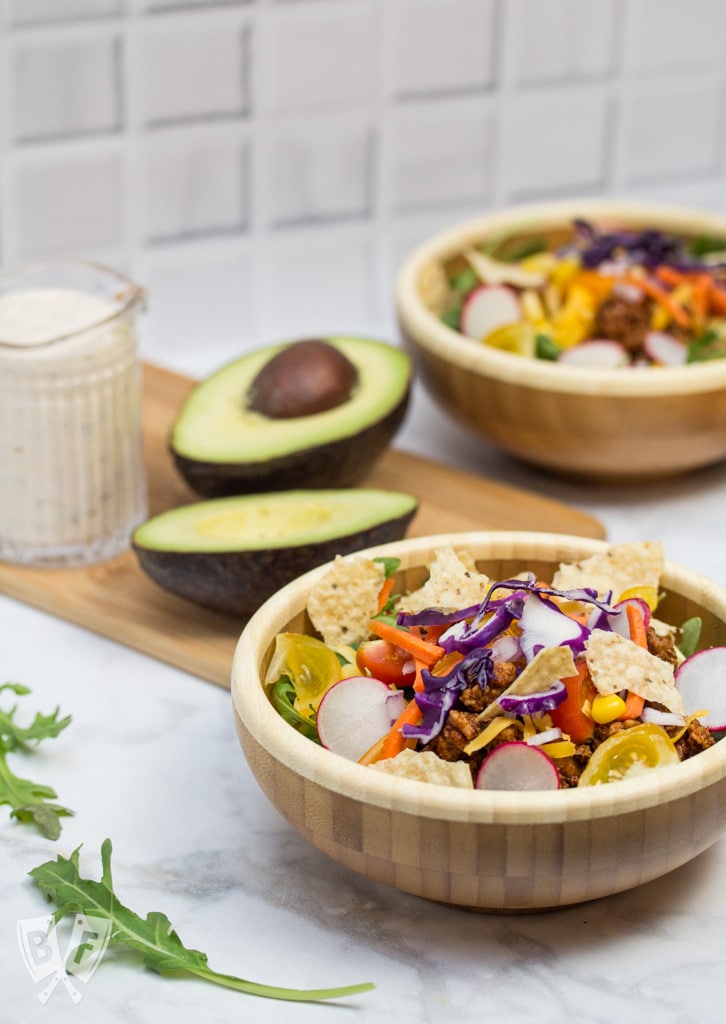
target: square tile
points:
(67, 87)
(553, 142)
(441, 46)
(319, 59)
(318, 171)
(673, 127)
(188, 74)
(440, 154)
(562, 40)
(35, 12)
(179, 5)
(193, 187)
(72, 204)
(663, 35)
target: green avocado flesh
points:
(232, 553)
(221, 446)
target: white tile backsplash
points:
(186, 74)
(71, 204)
(320, 58)
(318, 170)
(193, 186)
(441, 153)
(668, 36)
(563, 40)
(555, 142)
(66, 87)
(442, 46)
(674, 129)
(37, 12)
(268, 147)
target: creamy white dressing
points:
(72, 485)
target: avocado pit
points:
(305, 378)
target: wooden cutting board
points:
(117, 600)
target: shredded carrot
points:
(418, 683)
(633, 703)
(395, 741)
(670, 276)
(424, 651)
(701, 297)
(633, 706)
(384, 593)
(636, 624)
(655, 292)
(718, 300)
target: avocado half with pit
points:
(312, 413)
(231, 554)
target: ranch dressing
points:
(72, 484)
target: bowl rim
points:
(425, 330)
(335, 773)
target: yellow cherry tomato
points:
(647, 594)
(519, 338)
(628, 754)
(311, 666)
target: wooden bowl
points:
(495, 851)
(595, 423)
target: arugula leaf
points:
(390, 565)
(452, 317)
(283, 699)
(690, 634)
(29, 801)
(464, 281)
(546, 348)
(709, 346)
(153, 936)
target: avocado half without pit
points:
(230, 554)
(312, 413)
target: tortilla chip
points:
(549, 665)
(616, 663)
(453, 583)
(346, 599)
(427, 767)
(622, 566)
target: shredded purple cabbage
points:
(534, 703)
(647, 248)
(441, 692)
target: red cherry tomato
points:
(569, 715)
(386, 662)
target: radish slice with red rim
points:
(600, 352)
(701, 682)
(664, 349)
(489, 307)
(517, 766)
(355, 713)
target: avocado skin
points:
(341, 463)
(238, 582)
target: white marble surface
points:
(151, 760)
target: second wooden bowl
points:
(493, 851)
(593, 423)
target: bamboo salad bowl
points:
(602, 424)
(488, 851)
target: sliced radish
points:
(701, 682)
(517, 766)
(489, 307)
(664, 349)
(355, 713)
(600, 352)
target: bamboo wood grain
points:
(494, 851)
(117, 600)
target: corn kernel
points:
(607, 707)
